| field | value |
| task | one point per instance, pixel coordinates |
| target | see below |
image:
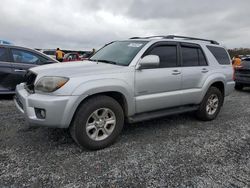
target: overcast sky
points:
(87, 24)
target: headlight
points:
(50, 83)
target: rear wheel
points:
(210, 105)
(97, 123)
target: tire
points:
(206, 112)
(238, 86)
(97, 122)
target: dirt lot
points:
(176, 151)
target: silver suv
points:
(133, 80)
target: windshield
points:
(119, 53)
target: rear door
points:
(22, 60)
(5, 70)
(195, 69)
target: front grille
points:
(29, 79)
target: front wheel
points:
(210, 105)
(97, 123)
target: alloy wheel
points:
(212, 104)
(100, 124)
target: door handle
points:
(19, 70)
(176, 72)
(204, 70)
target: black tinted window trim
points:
(191, 45)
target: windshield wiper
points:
(95, 60)
(104, 61)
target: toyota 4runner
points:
(134, 80)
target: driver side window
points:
(167, 55)
(22, 56)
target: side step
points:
(161, 113)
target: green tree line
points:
(239, 51)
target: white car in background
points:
(50, 53)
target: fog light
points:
(40, 113)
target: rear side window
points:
(220, 55)
(167, 55)
(3, 54)
(202, 59)
(189, 57)
(192, 56)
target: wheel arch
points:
(215, 80)
(220, 85)
(116, 95)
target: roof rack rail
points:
(177, 36)
(191, 38)
(135, 38)
(148, 37)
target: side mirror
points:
(149, 61)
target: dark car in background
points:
(14, 62)
(242, 74)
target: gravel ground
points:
(175, 151)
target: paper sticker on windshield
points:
(135, 45)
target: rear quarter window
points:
(220, 55)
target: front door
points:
(5, 71)
(160, 87)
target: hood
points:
(74, 69)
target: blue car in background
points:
(5, 42)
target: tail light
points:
(234, 78)
(237, 67)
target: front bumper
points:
(242, 80)
(59, 109)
